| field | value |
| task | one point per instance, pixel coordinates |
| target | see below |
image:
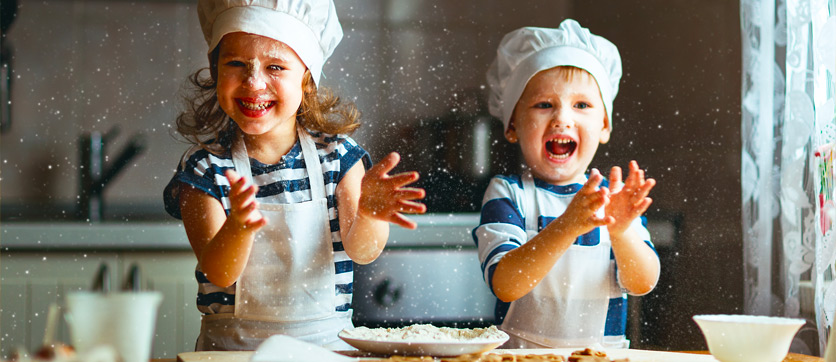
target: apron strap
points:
(241, 159)
(312, 164)
(530, 210)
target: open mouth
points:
(255, 106)
(561, 148)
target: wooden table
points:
(244, 356)
(792, 357)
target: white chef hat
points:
(525, 51)
(309, 27)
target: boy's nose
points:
(563, 119)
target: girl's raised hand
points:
(384, 197)
(581, 213)
(243, 209)
(628, 200)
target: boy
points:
(558, 247)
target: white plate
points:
(435, 349)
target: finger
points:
(600, 199)
(615, 179)
(644, 189)
(643, 205)
(411, 207)
(241, 195)
(594, 181)
(403, 221)
(232, 175)
(257, 223)
(404, 178)
(386, 164)
(601, 221)
(237, 184)
(236, 180)
(649, 184)
(638, 172)
(410, 194)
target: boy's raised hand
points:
(243, 208)
(581, 212)
(628, 200)
(383, 197)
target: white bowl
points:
(746, 338)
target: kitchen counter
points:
(61, 236)
(434, 230)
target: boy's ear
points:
(606, 131)
(511, 132)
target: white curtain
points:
(787, 112)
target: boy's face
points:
(259, 82)
(559, 121)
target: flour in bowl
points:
(425, 333)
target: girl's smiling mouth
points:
(560, 148)
(254, 108)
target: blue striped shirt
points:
(283, 183)
(502, 229)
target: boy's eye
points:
(275, 67)
(582, 105)
(543, 105)
(235, 63)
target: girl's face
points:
(559, 121)
(259, 83)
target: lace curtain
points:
(789, 63)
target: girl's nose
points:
(255, 80)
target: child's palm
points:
(384, 196)
(582, 211)
(628, 200)
(243, 207)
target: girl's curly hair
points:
(205, 123)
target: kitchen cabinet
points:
(31, 280)
(171, 273)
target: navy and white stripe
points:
(502, 229)
(283, 183)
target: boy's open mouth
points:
(560, 148)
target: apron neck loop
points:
(241, 161)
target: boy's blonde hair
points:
(206, 124)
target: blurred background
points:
(416, 69)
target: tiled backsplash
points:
(82, 66)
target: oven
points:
(427, 275)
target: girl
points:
(274, 201)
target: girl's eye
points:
(582, 105)
(235, 63)
(275, 67)
(543, 105)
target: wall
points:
(89, 65)
(678, 114)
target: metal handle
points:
(101, 282)
(133, 282)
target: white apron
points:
(287, 286)
(568, 308)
